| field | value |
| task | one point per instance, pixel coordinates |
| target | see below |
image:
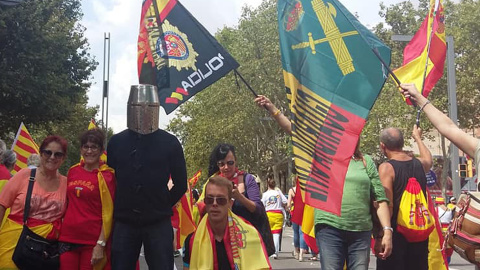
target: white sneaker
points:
(300, 256)
(275, 256)
(295, 255)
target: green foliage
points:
(45, 69)
(44, 63)
(225, 112)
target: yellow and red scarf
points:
(242, 242)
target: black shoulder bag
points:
(33, 251)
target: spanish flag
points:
(193, 181)
(437, 258)
(23, 146)
(185, 210)
(424, 56)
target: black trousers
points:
(405, 255)
(157, 240)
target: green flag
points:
(332, 79)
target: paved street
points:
(287, 262)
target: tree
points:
(44, 63)
(225, 112)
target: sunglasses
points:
(229, 163)
(49, 153)
(220, 200)
(93, 148)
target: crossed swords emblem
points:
(332, 36)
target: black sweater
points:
(143, 164)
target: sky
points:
(121, 19)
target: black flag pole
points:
(248, 85)
(395, 78)
(245, 82)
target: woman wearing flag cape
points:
(88, 220)
(48, 202)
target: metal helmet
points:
(143, 109)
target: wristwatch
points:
(101, 243)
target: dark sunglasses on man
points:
(220, 200)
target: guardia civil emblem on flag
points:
(332, 79)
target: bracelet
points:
(277, 112)
(426, 103)
(388, 228)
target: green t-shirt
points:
(355, 214)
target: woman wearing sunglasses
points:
(246, 194)
(88, 220)
(48, 201)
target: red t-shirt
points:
(82, 223)
(4, 173)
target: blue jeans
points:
(157, 240)
(298, 241)
(338, 246)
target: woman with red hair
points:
(48, 201)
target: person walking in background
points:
(33, 161)
(88, 220)
(275, 203)
(395, 174)
(8, 158)
(48, 201)
(216, 242)
(144, 157)
(300, 247)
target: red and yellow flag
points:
(185, 209)
(303, 215)
(23, 146)
(436, 255)
(428, 44)
(193, 181)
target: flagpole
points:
(245, 82)
(375, 51)
(428, 47)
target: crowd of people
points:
(102, 213)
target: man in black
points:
(394, 175)
(144, 158)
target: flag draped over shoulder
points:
(332, 79)
(436, 256)
(177, 54)
(23, 146)
(428, 44)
